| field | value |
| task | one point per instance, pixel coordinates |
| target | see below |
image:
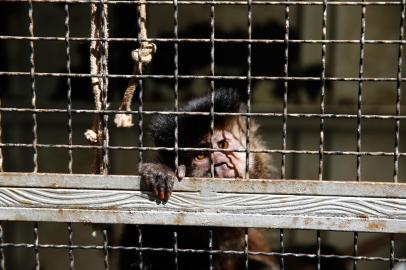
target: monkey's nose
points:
(223, 170)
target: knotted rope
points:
(141, 56)
(98, 66)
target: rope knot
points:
(144, 54)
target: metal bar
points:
(257, 186)
(246, 248)
(359, 114)
(175, 249)
(211, 262)
(398, 94)
(202, 218)
(229, 2)
(206, 40)
(392, 252)
(140, 89)
(268, 151)
(285, 94)
(33, 91)
(259, 114)
(205, 77)
(2, 257)
(36, 249)
(281, 248)
(249, 85)
(345, 206)
(105, 249)
(212, 83)
(204, 251)
(70, 244)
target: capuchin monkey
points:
(194, 132)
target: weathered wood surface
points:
(296, 204)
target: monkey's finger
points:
(181, 172)
(155, 191)
(161, 195)
(167, 195)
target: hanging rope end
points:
(123, 120)
(91, 136)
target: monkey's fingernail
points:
(161, 195)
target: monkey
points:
(194, 132)
(229, 133)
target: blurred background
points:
(380, 64)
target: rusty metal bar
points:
(344, 206)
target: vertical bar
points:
(140, 91)
(36, 249)
(1, 141)
(285, 94)
(34, 118)
(355, 251)
(104, 72)
(211, 262)
(70, 244)
(318, 250)
(247, 135)
(176, 76)
(322, 111)
(246, 248)
(69, 87)
(392, 252)
(175, 249)
(398, 93)
(176, 88)
(2, 257)
(212, 85)
(360, 87)
(359, 114)
(34, 95)
(105, 249)
(323, 88)
(282, 249)
(140, 259)
(70, 135)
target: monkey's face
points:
(227, 164)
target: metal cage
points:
(324, 79)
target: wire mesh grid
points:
(302, 52)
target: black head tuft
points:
(191, 128)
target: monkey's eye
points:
(201, 155)
(223, 144)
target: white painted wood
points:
(347, 206)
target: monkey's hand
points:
(160, 178)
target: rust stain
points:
(376, 226)
(180, 219)
(363, 216)
(54, 185)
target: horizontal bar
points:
(293, 204)
(274, 186)
(257, 114)
(208, 2)
(207, 40)
(146, 148)
(189, 77)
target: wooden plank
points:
(372, 207)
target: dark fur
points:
(191, 128)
